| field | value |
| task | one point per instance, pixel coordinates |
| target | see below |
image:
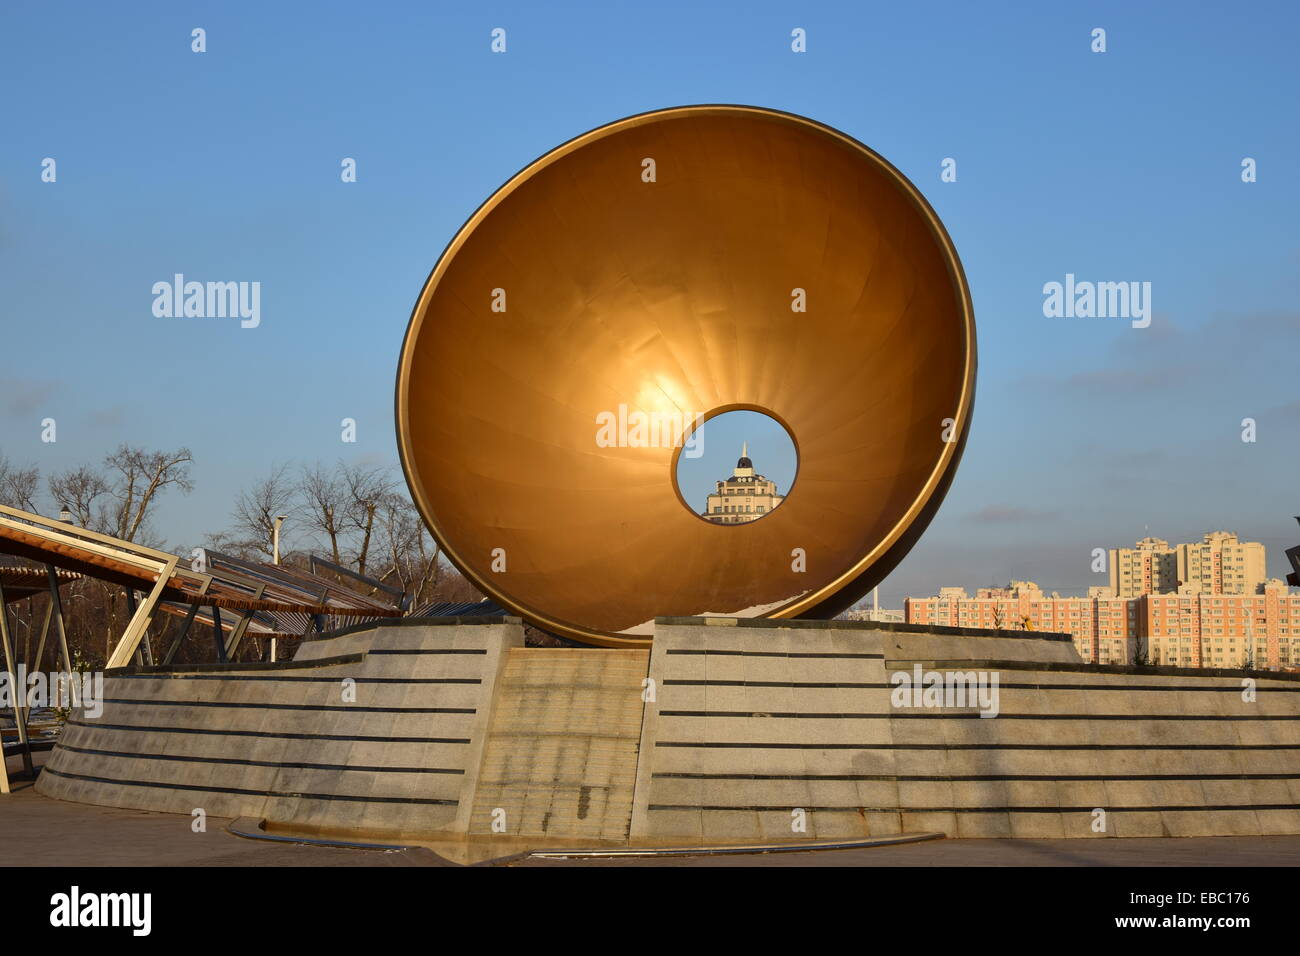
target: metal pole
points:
(27, 632)
(275, 538)
(138, 658)
(56, 602)
(45, 631)
(217, 635)
(180, 635)
(20, 716)
(237, 632)
(275, 549)
(143, 652)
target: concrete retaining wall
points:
(754, 722)
(754, 727)
(280, 742)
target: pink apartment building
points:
(1188, 627)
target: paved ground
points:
(1203, 851)
(38, 831)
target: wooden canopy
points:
(247, 588)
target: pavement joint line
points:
(713, 850)
(252, 828)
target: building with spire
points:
(745, 496)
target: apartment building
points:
(1218, 564)
(1188, 628)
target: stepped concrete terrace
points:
(728, 731)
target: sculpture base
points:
(451, 734)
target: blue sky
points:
(1116, 166)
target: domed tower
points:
(744, 497)
(744, 467)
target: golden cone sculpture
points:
(658, 265)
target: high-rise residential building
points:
(1189, 628)
(1218, 564)
(1150, 566)
(745, 496)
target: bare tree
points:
(256, 509)
(138, 477)
(78, 489)
(366, 489)
(325, 503)
(429, 558)
(401, 536)
(18, 486)
(116, 500)
(360, 516)
(228, 542)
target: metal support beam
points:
(180, 635)
(138, 659)
(19, 693)
(45, 630)
(375, 584)
(315, 620)
(60, 630)
(185, 628)
(139, 624)
(319, 619)
(217, 637)
(143, 653)
(237, 632)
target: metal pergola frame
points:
(53, 612)
(244, 589)
(158, 564)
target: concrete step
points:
(561, 753)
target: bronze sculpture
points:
(684, 263)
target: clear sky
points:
(1123, 165)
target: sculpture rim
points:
(886, 553)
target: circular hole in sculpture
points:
(736, 468)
